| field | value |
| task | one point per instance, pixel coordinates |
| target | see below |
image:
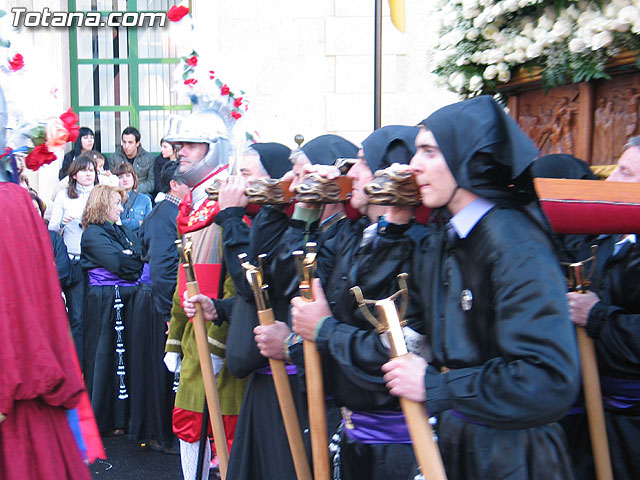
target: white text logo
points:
(47, 18)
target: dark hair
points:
(169, 172)
(131, 131)
(38, 200)
(77, 147)
(80, 163)
(126, 167)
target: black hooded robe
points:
(614, 325)
(505, 363)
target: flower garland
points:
(36, 141)
(483, 41)
(197, 78)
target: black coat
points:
(614, 325)
(496, 316)
(158, 234)
(63, 263)
(104, 245)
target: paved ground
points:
(127, 460)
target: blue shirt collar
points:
(464, 221)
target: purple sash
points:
(103, 277)
(380, 426)
(620, 393)
(291, 370)
(145, 277)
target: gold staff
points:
(306, 266)
(208, 377)
(279, 373)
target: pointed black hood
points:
(390, 144)
(274, 158)
(485, 149)
(326, 149)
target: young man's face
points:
(436, 182)
(628, 167)
(190, 154)
(129, 145)
(360, 174)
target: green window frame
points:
(131, 62)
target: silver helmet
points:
(204, 126)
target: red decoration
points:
(190, 81)
(70, 120)
(16, 63)
(236, 115)
(38, 157)
(192, 61)
(237, 102)
(177, 13)
(212, 74)
(224, 90)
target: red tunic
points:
(38, 378)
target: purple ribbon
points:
(101, 277)
(291, 370)
(620, 393)
(464, 418)
(145, 277)
(380, 426)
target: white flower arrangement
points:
(482, 42)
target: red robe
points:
(39, 380)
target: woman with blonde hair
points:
(111, 256)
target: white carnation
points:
(621, 3)
(630, 15)
(611, 10)
(496, 10)
(528, 29)
(463, 60)
(601, 40)
(510, 5)
(519, 56)
(475, 83)
(562, 28)
(469, 13)
(572, 12)
(476, 57)
(457, 81)
(495, 56)
(544, 22)
(521, 43)
(576, 45)
(504, 76)
(534, 50)
(490, 72)
(472, 34)
(489, 31)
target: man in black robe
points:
(369, 253)
(152, 395)
(611, 315)
(504, 364)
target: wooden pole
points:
(287, 407)
(317, 411)
(209, 380)
(424, 446)
(593, 403)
